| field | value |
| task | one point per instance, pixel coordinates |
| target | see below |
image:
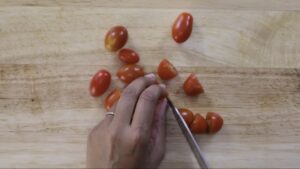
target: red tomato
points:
(112, 98)
(100, 83)
(182, 27)
(128, 56)
(187, 115)
(116, 38)
(128, 73)
(199, 125)
(214, 121)
(192, 86)
(166, 70)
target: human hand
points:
(135, 136)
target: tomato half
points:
(166, 70)
(214, 121)
(192, 86)
(128, 73)
(182, 27)
(128, 56)
(199, 125)
(187, 115)
(116, 38)
(100, 83)
(112, 98)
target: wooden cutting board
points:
(246, 54)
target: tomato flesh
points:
(199, 125)
(192, 86)
(166, 71)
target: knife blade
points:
(189, 136)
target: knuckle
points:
(138, 139)
(130, 92)
(151, 94)
(113, 136)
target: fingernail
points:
(163, 86)
(150, 76)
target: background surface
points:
(245, 52)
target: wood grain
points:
(246, 54)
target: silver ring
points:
(110, 113)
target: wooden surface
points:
(246, 53)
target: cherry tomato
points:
(192, 86)
(116, 38)
(199, 125)
(128, 56)
(187, 115)
(112, 98)
(182, 27)
(166, 70)
(214, 121)
(100, 83)
(128, 73)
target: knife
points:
(188, 135)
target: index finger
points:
(146, 106)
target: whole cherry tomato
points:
(128, 73)
(100, 83)
(192, 86)
(112, 98)
(182, 27)
(214, 121)
(128, 56)
(116, 38)
(199, 125)
(166, 70)
(187, 115)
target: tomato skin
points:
(116, 38)
(100, 83)
(128, 73)
(192, 86)
(214, 121)
(187, 115)
(199, 125)
(165, 70)
(182, 27)
(128, 56)
(112, 98)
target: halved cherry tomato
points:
(128, 56)
(187, 115)
(182, 27)
(116, 38)
(199, 125)
(100, 83)
(112, 98)
(166, 70)
(128, 73)
(192, 86)
(214, 121)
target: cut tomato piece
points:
(192, 86)
(166, 70)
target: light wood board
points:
(246, 54)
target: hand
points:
(135, 136)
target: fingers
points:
(128, 99)
(160, 122)
(145, 108)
